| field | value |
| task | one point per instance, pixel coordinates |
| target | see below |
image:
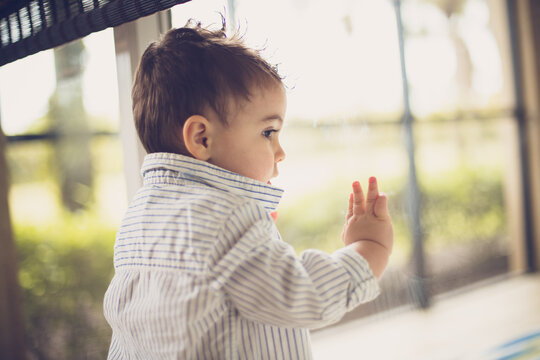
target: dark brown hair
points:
(189, 70)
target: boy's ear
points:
(196, 134)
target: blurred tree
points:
(464, 69)
(68, 119)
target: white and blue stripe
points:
(201, 272)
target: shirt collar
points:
(185, 169)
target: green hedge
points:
(64, 271)
(462, 206)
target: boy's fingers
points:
(372, 194)
(381, 206)
(359, 204)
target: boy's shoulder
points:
(214, 195)
(202, 198)
(231, 202)
(190, 181)
(236, 213)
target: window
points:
(345, 121)
(59, 109)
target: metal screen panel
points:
(27, 27)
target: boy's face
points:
(249, 145)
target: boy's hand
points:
(368, 228)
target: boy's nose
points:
(280, 154)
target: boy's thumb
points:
(381, 206)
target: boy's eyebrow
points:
(272, 118)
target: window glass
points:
(458, 65)
(59, 109)
(454, 54)
(341, 64)
(346, 101)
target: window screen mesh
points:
(27, 27)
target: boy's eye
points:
(268, 133)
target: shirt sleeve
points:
(265, 280)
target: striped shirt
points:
(202, 273)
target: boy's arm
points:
(265, 280)
(274, 286)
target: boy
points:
(201, 271)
